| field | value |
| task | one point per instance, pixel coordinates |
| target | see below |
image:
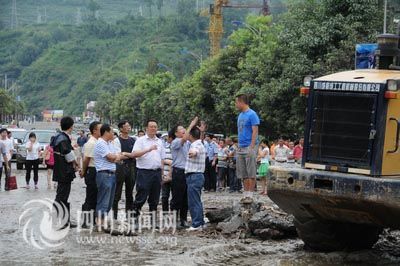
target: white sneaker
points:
(193, 229)
(246, 200)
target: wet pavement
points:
(182, 248)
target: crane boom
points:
(216, 28)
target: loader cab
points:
(353, 117)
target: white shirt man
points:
(149, 152)
(151, 160)
(281, 153)
(8, 144)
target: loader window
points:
(341, 127)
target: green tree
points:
(93, 7)
(140, 100)
(103, 106)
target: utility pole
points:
(14, 17)
(385, 18)
(45, 15)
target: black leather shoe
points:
(72, 225)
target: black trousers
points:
(91, 190)
(148, 187)
(222, 176)
(234, 183)
(166, 189)
(210, 176)
(125, 174)
(32, 164)
(179, 193)
(63, 191)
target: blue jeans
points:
(105, 192)
(195, 183)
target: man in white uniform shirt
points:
(281, 152)
(149, 152)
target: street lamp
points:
(239, 23)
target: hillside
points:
(62, 64)
(72, 12)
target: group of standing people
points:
(109, 163)
(191, 165)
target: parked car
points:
(43, 137)
(18, 135)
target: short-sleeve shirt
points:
(103, 148)
(232, 160)
(265, 159)
(245, 123)
(222, 158)
(9, 145)
(298, 152)
(281, 153)
(179, 153)
(3, 152)
(196, 164)
(81, 141)
(211, 150)
(34, 153)
(150, 160)
(89, 150)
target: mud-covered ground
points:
(182, 248)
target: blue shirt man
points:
(246, 162)
(179, 153)
(211, 149)
(245, 123)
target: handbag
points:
(11, 183)
(47, 157)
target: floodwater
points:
(148, 248)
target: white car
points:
(42, 136)
(18, 135)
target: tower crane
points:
(216, 29)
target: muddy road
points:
(209, 247)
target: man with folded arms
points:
(105, 157)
